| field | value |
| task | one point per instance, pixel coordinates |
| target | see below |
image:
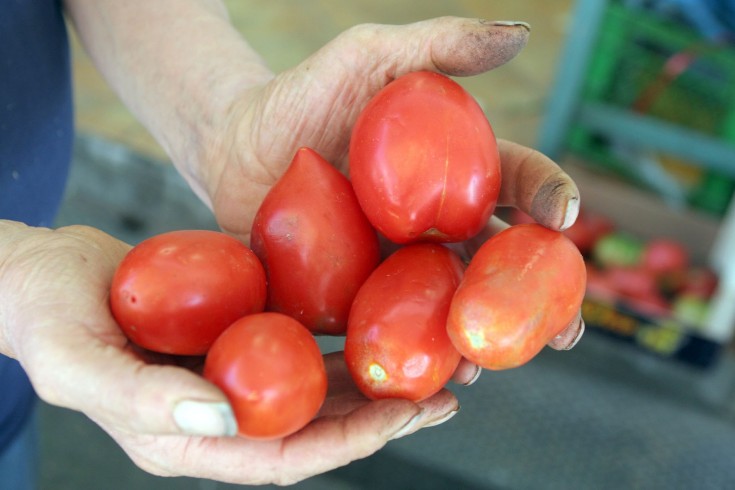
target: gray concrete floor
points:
(602, 416)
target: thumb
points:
(464, 47)
(114, 387)
(452, 45)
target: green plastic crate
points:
(628, 71)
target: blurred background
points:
(636, 100)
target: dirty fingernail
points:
(475, 377)
(511, 23)
(410, 426)
(579, 335)
(571, 213)
(205, 418)
(443, 419)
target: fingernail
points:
(409, 426)
(579, 335)
(443, 419)
(478, 371)
(511, 23)
(571, 213)
(205, 418)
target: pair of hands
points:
(55, 316)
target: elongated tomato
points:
(316, 244)
(424, 161)
(176, 292)
(397, 344)
(521, 289)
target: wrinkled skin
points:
(55, 317)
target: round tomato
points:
(424, 161)
(272, 371)
(397, 344)
(522, 288)
(177, 291)
(632, 281)
(665, 256)
(316, 244)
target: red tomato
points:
(272, 371)
(424, 161)
(700, 282)
(652, 305)
(177, 291)
(521, 289)
(316, 244)
(665, 256)
(632, 281)
(397, 343)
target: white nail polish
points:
(205, 418)
(571, 213)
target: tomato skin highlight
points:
(316, 244)
(424, 161)
(396, 343)
(177, 291)
(521, 289)
(272, 371)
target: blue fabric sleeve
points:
(36, 116)
(36, 134)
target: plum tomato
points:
(272, 371)
(396, 343)
(424, 161)
(632, 281)
(177, 291)
(521, 289)
(316, 244)
(665, 256)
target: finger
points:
(343, 396)
(570, 336)
(363, 59)
(466, 373)
(538, 186)
(467, 249)
(464, 47)
(452, 45)
(339, 380)
(335, 441)
(115, 388)
(325, 444)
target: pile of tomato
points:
(424, 172)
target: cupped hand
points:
(316, 104)
(166, 416)
(159, 409)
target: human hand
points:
(55, 320)
(316, 104)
